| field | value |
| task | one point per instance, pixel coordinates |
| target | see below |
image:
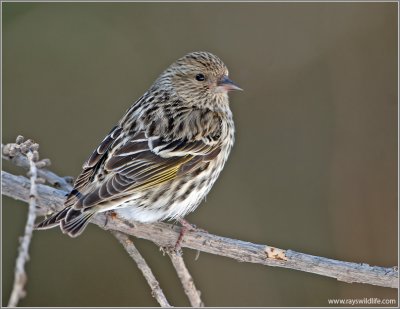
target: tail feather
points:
(77, 224)
(53, 220)
(71, 221)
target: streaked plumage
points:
(164, 155)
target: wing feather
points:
(125, 163)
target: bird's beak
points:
(226, 84)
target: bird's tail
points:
(71, 221)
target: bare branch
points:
(144, 268)
(166, 235)
(20, 277)
(17, 187)
(18, 159)
(187, 281)
(64, 183)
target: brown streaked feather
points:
(91, 166)
(131, 159)
(145, 175)
(53, 220)
(103, 147)
(140, 163)
(77, 223)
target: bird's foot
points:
(186, 227)
(109, 214)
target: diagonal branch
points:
(144, 268)
(166, 235)
(187, 281)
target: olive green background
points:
(314, 167)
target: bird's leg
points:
(186, 226)
(110, 213)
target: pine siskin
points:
(164, 155)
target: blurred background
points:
(314, 167)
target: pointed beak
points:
(227, 84)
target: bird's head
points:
(201, 78)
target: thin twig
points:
(144, 268)
(20, 276)
(186, 279)
(19, 159)
(166, 235)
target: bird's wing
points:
(122, 165)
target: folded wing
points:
(126, 162)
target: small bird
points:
(164, 155)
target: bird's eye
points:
(200, 77)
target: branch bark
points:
(186, 278)
(63, 183)
(166, 235)
(144, 268)
(20, 277)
